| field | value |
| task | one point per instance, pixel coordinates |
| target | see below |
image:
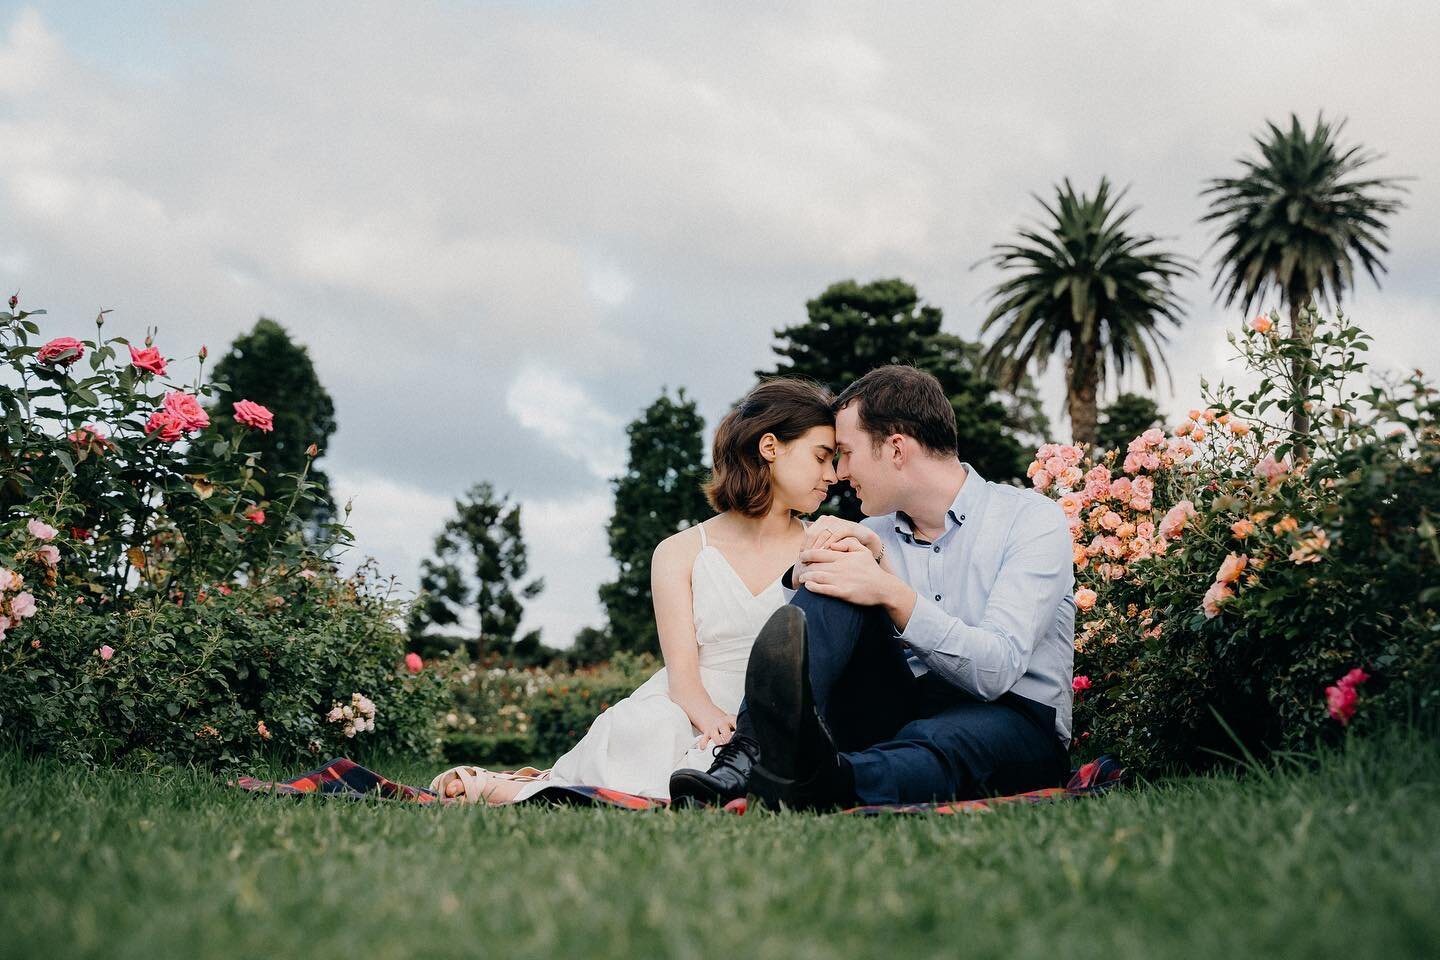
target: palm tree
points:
(1085, 284)
(1294, 223)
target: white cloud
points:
(559, 411)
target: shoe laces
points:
(728, 752)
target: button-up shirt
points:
(995, 606)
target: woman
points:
(714, 585)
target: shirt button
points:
(937, 549)
(937, 598)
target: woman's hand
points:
(715, 725)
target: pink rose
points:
(106, 651)
(1231, 568)
(1085, 598)
(22, 605)
(1081, 682)
(1121, 488)
(1341, 703)
(1140, 505)
(1041, 480)
(1046, 451)
(148, 360)
(1096, 489)
(1145, 529)
(413, 663)
(1071, 454)
(255, 516)
(169, 428)
(1239, 429)
(1113, 548)
(1262, 324)
(62, 350)
(91, 437)
(1077, 527)
(1153, 437)
(1071, 504)
(1055, 466)
(1142, 487)
(40, 530)
(1216, 595)
(49, 555)
(1071, 477)
(263, 730)
(255, 416)
(186, 409)
(1098, 474)
(1174, 521)
(1110, 520)
(1354, 678)
(1271, 470)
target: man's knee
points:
(828, 617)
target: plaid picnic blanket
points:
(343, 777)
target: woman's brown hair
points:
(740, 477)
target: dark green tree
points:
(853, 328)
(658, 494)
(1124, 419)
(267, 367)
(1086, 285)
(1294, 223)
(476, 573)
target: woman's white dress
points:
(636, 744)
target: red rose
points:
(413, 663)
(255, 516)
(62, 350)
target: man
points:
(927, 653)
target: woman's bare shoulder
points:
(678, 549)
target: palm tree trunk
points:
(1299, 379)
(1083, 384)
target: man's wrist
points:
(899, 601)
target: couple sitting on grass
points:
(923, 655)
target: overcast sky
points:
(502, 228)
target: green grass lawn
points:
(1341, 857)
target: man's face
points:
(860, 463)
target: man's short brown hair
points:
(785, 406)
(901, 399)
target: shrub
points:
(533, 715)
(156, 606)
(1231, 568)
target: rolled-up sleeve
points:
(1036, 573)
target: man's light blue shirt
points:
(995, 607)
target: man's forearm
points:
(899, 602)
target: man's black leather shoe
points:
(799, 766)
(726, 780)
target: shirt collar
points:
(966, 502)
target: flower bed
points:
(1225, 579)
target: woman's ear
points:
(769, 447)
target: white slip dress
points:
(636, 744)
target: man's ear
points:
(896, 449)
(769, 447)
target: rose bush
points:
(1227, 568)
(153, 603)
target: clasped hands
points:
(839, 559)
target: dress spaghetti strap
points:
(703, 542)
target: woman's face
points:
(804, 469)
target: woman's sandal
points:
(479, 783)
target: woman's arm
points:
(670, 568)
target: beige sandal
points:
(479, 782)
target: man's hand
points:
(846, 569)
(827, 531)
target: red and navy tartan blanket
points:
(346, 778)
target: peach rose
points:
(1175, 520)
(1216, 595)
(1110, 520)
(1270, 470)
(1231, 568)
(1184, 429)
(1262, 324)
(1071, 477)
(1153, 437)
(1242, 528)
(1041, 480)
(1285, 525)
(1238, 428)
(1071, 504)
(1085, 598)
